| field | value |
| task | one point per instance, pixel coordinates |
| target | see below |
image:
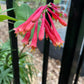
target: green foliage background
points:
(26, 66)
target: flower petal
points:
(29, 27)
(34, 39)
(37, 16)
(41, 32)
(57, 17)
(26, 38)
(57, 36)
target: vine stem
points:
(8, 22)
(22, 50)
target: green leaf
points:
(23, 12)
(5, 17)
(29, 54)
(6, 10)
(60, 14)
(6, 46)
(10, 75)
(17, 23)
(21, 81)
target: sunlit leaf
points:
(23, 12)
(5, 17)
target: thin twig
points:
(22, 50)
(8, 22)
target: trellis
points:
(71, 59)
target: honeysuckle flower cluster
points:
(45, 28)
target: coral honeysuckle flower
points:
(26, 38)
(36, 17)
(57, 17)
(50, 35)
(16, 30)
(34, 39)
(29, 26)
(53, 13)
(20, 29)
(62, 22)
(47, 29)
(65, 15)
(54, 32)
(30, 18)
(55, 6)
(58, 38)
(41, 32)
(46, 35)
(58, 12)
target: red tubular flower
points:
(46, 35)
(57, 17)
(51, 36)
(53, 14)
(47, 24)
(37, 16)
(57, 13)
(20, 29)
(29, 26)
(50, 31)
(54, 32)
(30, 18)
(55, 6)
(41, 32)
(34, 39)
(26, 38)
(56, 10)
(65, 15)
(58, 38)
(16, 30)
(62, 21)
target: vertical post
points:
(79, 66)
(74, 36)
(46, 53)
(13, 43)
(80, 41)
